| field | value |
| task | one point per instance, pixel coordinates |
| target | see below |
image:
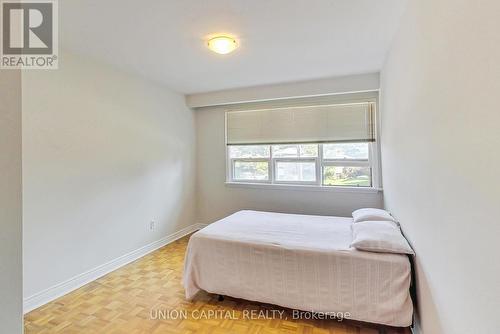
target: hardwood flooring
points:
(147, 296)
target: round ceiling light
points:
(222, 44)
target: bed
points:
(300, 262)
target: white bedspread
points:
(300, 262)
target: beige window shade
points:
(304, 124)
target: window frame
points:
(234, 160)
(350, 163)
(275, 162)
(320, 163)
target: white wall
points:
(319, 87)
(104, 153)
(11, 293)
(440, 144)
(216, 200)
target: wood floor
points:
(147, 296)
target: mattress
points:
(300, 262)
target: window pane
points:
(296, 171)
(251, 170)
(285, 151)
(308, 150)
(249, 151)
(295, 151)
(347, 176)
(346, 151)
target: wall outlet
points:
(152, 225)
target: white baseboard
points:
(32, 302)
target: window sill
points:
(274, 186)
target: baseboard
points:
(32, 302)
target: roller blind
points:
(304, 124)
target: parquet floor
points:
(133, 298)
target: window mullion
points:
(271, 165)
(347, 163)
(229, 167)
(319, 166)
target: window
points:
(345, 164)
(250, 163)
(319, 145)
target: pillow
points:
(366, 214)
(379, 236)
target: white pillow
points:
(379, 236)
(371, 214)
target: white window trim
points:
(372, 163)
(312, 159)
(231, 169)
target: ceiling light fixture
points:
(222, 44)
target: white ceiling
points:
(280, 40)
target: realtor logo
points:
(29, 34)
